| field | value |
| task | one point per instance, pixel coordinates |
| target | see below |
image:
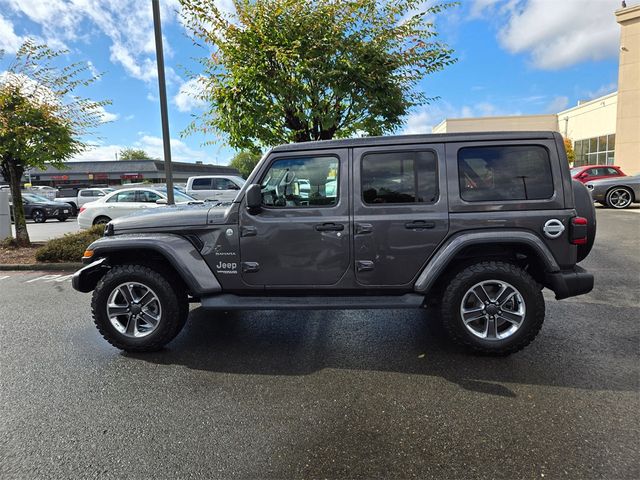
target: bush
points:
(70, 247)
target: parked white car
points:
(222, 188)
(125, 202)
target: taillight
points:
(82, 209)
(578, 234)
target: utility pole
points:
(166, 138)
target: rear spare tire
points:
(586, 209)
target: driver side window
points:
(301, 182)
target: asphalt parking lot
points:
(358, 394)
(52, 228)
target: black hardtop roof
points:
(409, 139)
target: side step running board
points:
(226, 301)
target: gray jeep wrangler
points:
(474, 224)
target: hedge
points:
(70, 247)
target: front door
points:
(301, 234)
(400, 211)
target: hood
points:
(170, 217)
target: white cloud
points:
(106, 116)
(99, 153)
(127, 23)
(554, 34)
(188, 97)
(180, 151)
(9, 41)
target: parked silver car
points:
(618, 192)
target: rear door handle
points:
(329, 227)
(419, 224)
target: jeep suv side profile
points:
(476, 223)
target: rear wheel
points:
(102, 220)
(586, 209)
(137, 309)
(38, 216)
(619, 197)
(493, 307)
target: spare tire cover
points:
(586, 209)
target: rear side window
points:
(399, 177)
(497, 173)
(201, 184)
(224, 184)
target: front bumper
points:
(570, 283)
(86, 279)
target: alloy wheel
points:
(619, 198)
(134, 309)
(492, 310)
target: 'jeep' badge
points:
(553, 228)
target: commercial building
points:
(605, 130)
(85, 174)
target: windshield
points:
(35, 198)
(178, 195)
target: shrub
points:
(70, 247)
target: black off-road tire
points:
(175, 308)
(585, 208)
(510, 273)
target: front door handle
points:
(329, 227)
(419, 224)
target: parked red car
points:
(588, 173)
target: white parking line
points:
(2, 277)
(44, 278)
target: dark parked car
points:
(616, 192)
(475, 225)
(40, 209)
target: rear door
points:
(400, 211)
(201, 189)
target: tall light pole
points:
(162, 87)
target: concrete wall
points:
(589, 119)
(628, 116)
(497, 124)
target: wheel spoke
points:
(505, 294)
(115, 310)
(511, 317)
(147, 298)
(125, 291)
(149, 318)
(491, 330)
(481, 293)
(131, 327)
(471, 314)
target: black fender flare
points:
(177, 250)
(438, 263)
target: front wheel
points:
(136, 308)
(493, 307)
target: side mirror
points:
(254, 197)
(161, 201)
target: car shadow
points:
(408, 342)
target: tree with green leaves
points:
(282, 71)
(42, 120)
(245, 161)
(133, 154)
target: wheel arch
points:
(522, 247)
(170, 254)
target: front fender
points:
(177, 250)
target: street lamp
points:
(166, 138)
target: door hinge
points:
(248, 231)
(364, 265)
(250, 267)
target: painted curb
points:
(40, 267)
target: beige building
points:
(605, 130)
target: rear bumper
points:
(570, 283)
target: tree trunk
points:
(15, 176)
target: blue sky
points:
(515, 57)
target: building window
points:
(595, 151)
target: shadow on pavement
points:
(306, 342)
